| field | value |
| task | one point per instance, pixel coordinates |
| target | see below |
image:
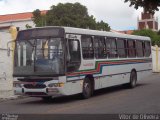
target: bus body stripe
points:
(100, 64)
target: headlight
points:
(56, 85)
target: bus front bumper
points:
(55, 92)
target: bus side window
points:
(74, 60)
(87, 47)
(100, 47)
(147, 49)
(131, 48)
(121, 47)
(139, 48)
(111, 48)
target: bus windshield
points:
(39, 57)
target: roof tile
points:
(18, 16)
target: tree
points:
(155, 38)
(103, 26)
(38, 18)
(28, 26)
(149, 5)
(69, 14)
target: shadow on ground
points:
(72, 98)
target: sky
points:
(114, 12)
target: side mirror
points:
(68, 58)
(75, 46)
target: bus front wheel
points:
(87, 88)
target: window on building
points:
(100, 47)
(111, 47)
(131, 48)
(87, 47)
(121, 47)
(139, 48)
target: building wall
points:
(6, 67)
(148, 22)
(141, 25)
(156, 25)
(146, 16)
(20, 23)
(156, 58)
(6, 62)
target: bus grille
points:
(37, 86)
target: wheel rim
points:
(87, 89)
(134, 79)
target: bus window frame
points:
(92, 47)
(100, 38)
(108, 40)
(145, 54)
(137, 48)
(129, 48)
(124, 48)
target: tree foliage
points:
(149, 5)
(102, 26)
(28, 26)
(68, 14)
(155, 38)
(38, 18)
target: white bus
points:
(58, 61)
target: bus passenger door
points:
(73, 60)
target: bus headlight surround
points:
(56, 85)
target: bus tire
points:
(133, 79)
(87, 88)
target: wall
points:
(156, 58)
(6, 69)
(21, 23)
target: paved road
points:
(145, 98)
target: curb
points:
(16, 97)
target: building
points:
(8, 31)
(8, 24)
(126, 32)
(19, 20)
(147, 21)
(6, 62)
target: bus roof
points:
(73, 30)
(103, 33)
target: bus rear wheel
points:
(87, 88)
(133, 79)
